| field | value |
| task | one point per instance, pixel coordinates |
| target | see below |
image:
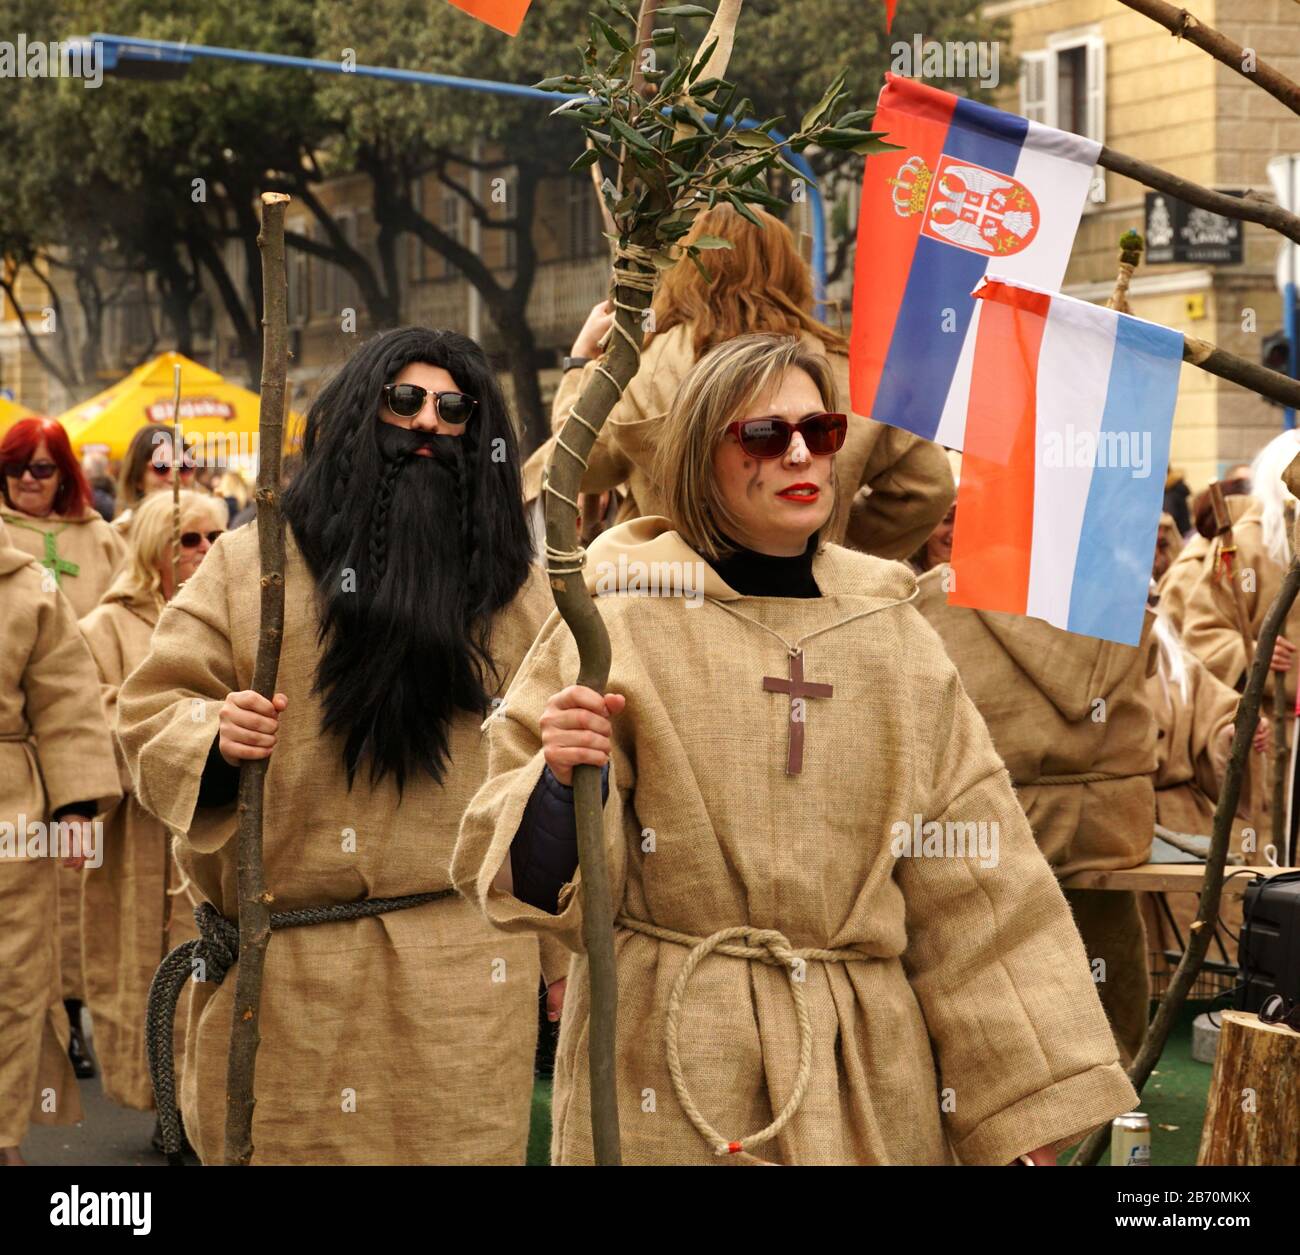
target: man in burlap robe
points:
(54, 751)
(1069, 717)
(961, 1023)
(409, 1036)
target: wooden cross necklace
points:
(798, 689)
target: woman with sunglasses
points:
(890, 488)
(791, 761)
(123, 925)
(147, 468)
(47, 512)
(56, 763)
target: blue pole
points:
(1293, 350)
(168, 50)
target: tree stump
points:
(1253, 1113)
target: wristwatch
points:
(575, 363)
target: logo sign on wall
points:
(190, 407)
(1177, 231)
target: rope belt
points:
(1081, 777)
(760, 945)
(217, 947)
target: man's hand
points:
(576, 729)
(80, 831)
(248, 726)
(593, 331)
(1283, 655)
(555, 998)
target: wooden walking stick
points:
(254, 900)
(1207, 911)
(176, 584)
(674, 159)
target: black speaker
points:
(1269, 953)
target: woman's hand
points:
(576, 729)
(248, 726)
(1283, 655)
(593, 331)
(81, 837)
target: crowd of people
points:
(808, 970)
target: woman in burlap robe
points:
(1069, 717)
(54, 751)
(951, 1013)
(122, 941)
(53, 520)
(891, 488)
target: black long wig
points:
(412, 556)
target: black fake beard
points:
(401, 656)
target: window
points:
(299, 310)
(453, 223)
(1064, 86)
(585, 225)
(321, 298)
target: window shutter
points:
(1096, 108)
(1033, 86)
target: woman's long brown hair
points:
(760, 283)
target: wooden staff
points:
(1228, 557)
(1281, 756)
(254, 899)
(1130, 253)
(176, 584)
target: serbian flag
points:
(1063, 476)
(972, 188)
(505, 15)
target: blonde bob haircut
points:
(151, 533)
(721, 388)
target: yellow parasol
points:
(11, 412)
(219, 419)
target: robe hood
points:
(652, 539)
(11, 559)
(1074, 670)
(88, 515)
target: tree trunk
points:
(1253, 1114)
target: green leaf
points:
(710, 241)
(869, 146)
(700, 266)
(815, 114)
(742, 209)
(612, 37)
(752, 139)
(557, 83)
(697, 67)
(852, 119)
(634, 139)
(707, 86)
(685, 10)
(623, 11)
(589, 157)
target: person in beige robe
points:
(891, 487)
(1068, 715)
(53, 521)
(778, 843)
(123, 936)
(55, 752)
(408, 1036)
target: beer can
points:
(1130, 1141)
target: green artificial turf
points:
(1174, 1099)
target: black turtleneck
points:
(754, 574)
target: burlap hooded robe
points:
(404, 1038)
(97, 551)
(1063, 709)
(123, 919)
(54, 749)
(979, 968)
(892, 487)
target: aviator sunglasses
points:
(406, 400)
(1276, 1010)
(770, 437)
(39, 470)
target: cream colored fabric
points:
(123, 919)
(892, 488)
(97, 550)
(405, 1038)
(54, 749)
(976, 967)
(1177, 582)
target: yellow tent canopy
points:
(218, 418)
(11, 412)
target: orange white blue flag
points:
(972, 189)
(505, 15)
(1063, 475)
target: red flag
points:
(890, 6)
(505, 15)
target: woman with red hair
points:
(46, 511)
